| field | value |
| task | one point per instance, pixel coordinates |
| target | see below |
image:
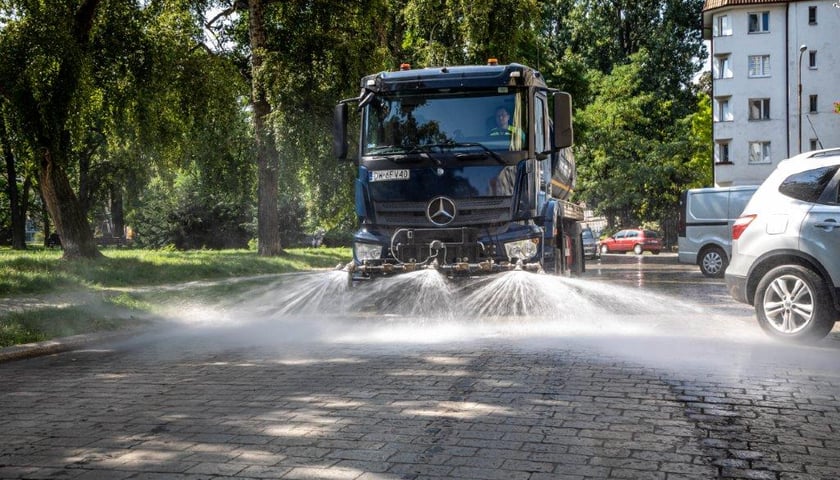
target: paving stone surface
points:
(196, 404)
(483, 410)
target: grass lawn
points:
(43, 296)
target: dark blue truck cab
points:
(465, 169)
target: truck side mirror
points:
(563, 133)
(340, 131)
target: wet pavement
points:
(654, 374)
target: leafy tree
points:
(631, 167)
(602, 34)
(441, 32)
(297, 76)
(46, 51)
(145, 101)
(153, 103)
(268, 161)
(17, 195)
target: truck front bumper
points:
(371, 268)
(453, 252)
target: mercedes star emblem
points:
(441, 211)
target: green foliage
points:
(35, 270)
(632, 165)
(129, 287)
(161, 122)
(452, 32)
(45, 323)
(40, 271)
(191, 213)
(146, 101)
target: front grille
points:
(470, 211)
(453, 245)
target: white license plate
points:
(388, 175)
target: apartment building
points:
(776, 83)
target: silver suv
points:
(786, 248)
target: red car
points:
(634, 240)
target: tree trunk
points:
(17, 207)
(268, 161)
(117, 212)
(45, 218)
(85, 194)
(64, 208)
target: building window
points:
(812, 104)
(814, 144)
(722, 26)
(759, 152)
(759, 66)
(723, 112)
(812, 59)
(812, 15)
(722, 66)
(722, 152)
(759, 109)
(758, 22)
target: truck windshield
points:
(401, 123)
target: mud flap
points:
(574, 256)
(578, 264)
(568, 245)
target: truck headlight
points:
(367, 251)
(522, 249)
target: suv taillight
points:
(740, 225)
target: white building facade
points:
(761, 52)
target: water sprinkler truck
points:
(463, 169)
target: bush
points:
(187, 216)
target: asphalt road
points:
(642, 369)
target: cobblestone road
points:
(717, 400)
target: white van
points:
(705, 228)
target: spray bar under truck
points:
(466, 169)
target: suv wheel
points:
(638, 250)
(713, 262)
(793, 303)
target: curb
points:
(62, 344)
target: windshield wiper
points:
(424, 149)
(486, 151)
(401, 154)
(386, 150)
(406, 154)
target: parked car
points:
(590, 243)
(705, 228)
(634, 240)
(786, 248)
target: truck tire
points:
(713, 262)
(793, 303)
